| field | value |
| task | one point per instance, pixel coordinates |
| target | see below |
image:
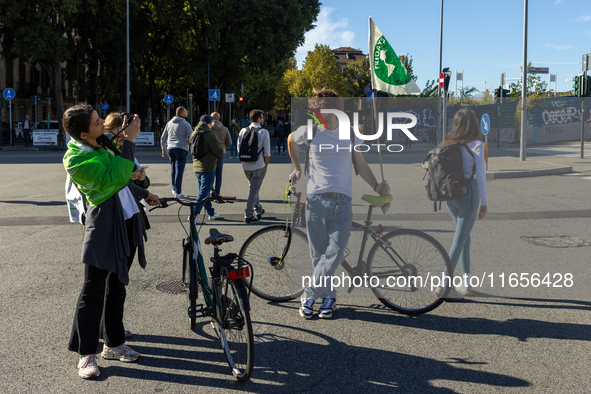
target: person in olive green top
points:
(204, 168)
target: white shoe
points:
(179, 195)
(465, 290)
(214, 216)
(197, 220)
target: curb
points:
(528, 173)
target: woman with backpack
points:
(465, 130)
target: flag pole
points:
(375, 117)
(373, 93)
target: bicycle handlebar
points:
(220, 199)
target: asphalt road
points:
(504, 340)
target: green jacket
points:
(97, 173)
(212, 148)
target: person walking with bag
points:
(465, 130)
(254, 149)
(175, 146)
(206, 150)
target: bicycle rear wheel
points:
(276, 279)
(404, 261)
(236, 328)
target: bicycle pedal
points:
(198, 311)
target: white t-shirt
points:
(477, 148)
(330, 161)
(264, 143)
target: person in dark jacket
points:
(112, 234)
(234, 131)
(204, 168)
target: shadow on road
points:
(316, 363)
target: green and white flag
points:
(387, 72)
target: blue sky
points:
(482, 38)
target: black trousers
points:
(99, 312)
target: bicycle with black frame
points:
(225, 293)
(402, 260)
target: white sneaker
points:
(197, 220)
(465, 290)
(307, 308)
(328, 307)
(87, 368)
(454, 296)
(214, 216)
(179, 195)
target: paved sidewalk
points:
(560, 158)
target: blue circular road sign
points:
(168, 99)
(8, 94)
(485, 124)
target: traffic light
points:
(577, 86)
(497, 95)
(506, 92)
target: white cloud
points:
(559, 47)
(333, 33)
(584, 18)
(558, 2)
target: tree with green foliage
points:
(535, 86)
(42, 32)
(356, 76)
(430, 89)
(320, 70)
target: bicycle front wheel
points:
(190, 283)
(236, 329)
(404, 261)
(276, 260)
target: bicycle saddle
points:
(376, 201)
(215, 237)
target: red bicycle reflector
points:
(238, 273)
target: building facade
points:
(346, 55)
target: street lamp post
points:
(522, 155)
(127, 87)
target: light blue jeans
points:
(329, 225)
(464, 213)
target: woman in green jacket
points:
(111, 236)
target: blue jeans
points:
(463, 212)
(205, 181)
(280, 143)
(178, 159)
(329, 225)
(233, 151)
(218, 174)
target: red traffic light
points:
(241, 99)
